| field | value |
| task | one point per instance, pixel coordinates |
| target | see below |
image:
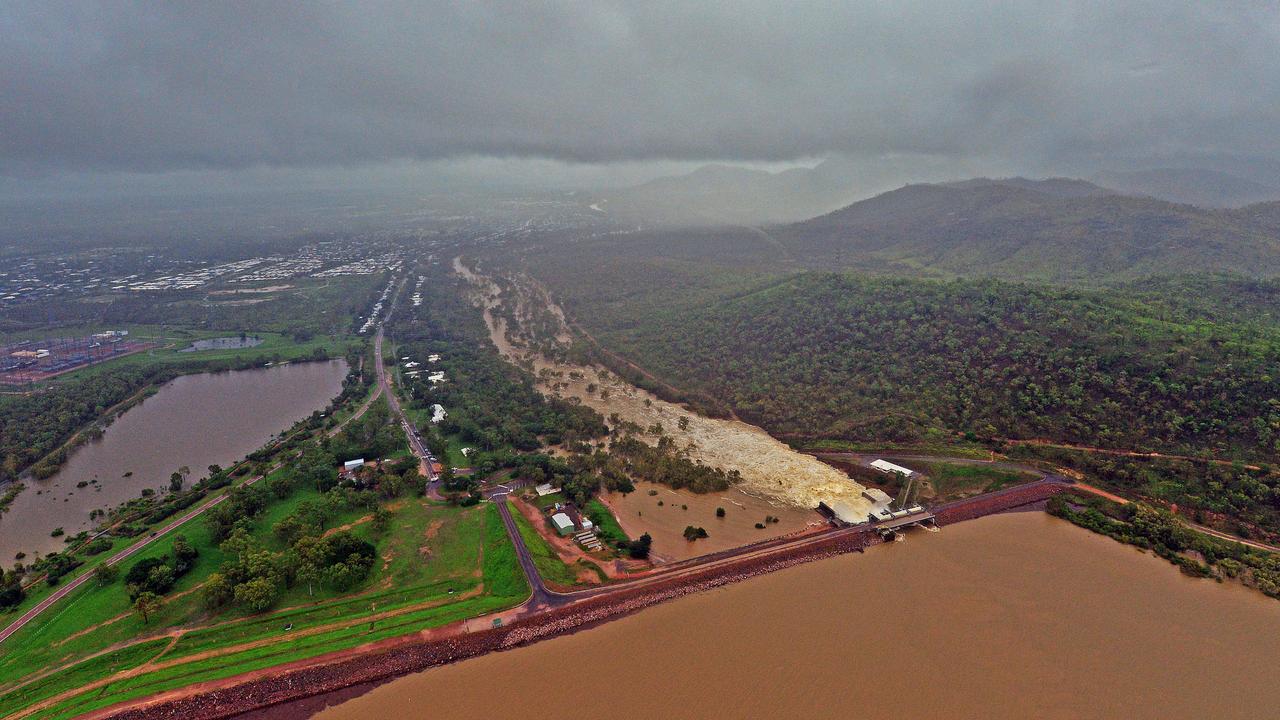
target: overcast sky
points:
(93, 89)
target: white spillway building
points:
(885, 466)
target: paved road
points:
(410, 432)
(137, 547)
(416, 445)
(116, 559)
(542, 598)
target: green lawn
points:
(552, 569)
(953, 479)
(607, 526)
(547, 501)
(431, 553)
(275, 346)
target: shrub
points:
(692, 533)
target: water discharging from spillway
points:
(770, 469)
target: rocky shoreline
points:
(383, 661)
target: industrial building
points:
(562, 523)
(878, 506)
(33, 360)
(887, 467)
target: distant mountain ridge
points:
(1192, 186)
(728, 195)
(1056, 229)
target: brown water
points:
(639, 513)
(194, 420)
(1013, 616)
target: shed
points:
(352, 465)
(562, 523)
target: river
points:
(194, 420)
(1012, 616)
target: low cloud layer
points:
(90, 87)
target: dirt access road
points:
(1194, 526)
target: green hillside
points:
(1052, 230)
(861, 358)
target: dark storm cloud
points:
(165, 86)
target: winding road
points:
(119, 557)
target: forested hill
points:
(853, 357)
(1052, 230)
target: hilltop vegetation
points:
(1178, 365)
(1053, 230)
(846, 356)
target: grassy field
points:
(437, 564)
(951, 480)
(274, 347)
(545, 501)
(607, 526)
(552, 569)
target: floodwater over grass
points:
(665, 513)
(1012, 616)
(193, 421)
(224, 343)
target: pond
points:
(194, 420)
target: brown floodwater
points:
(1012, 616)
(194, 420)
(639, 513)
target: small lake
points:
(194, 420)
(224, 343)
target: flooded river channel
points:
(194, 420)
(1012, 616)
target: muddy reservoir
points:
(1011, 616)
(194, 420)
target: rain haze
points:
(576, 94)
(708, 358)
